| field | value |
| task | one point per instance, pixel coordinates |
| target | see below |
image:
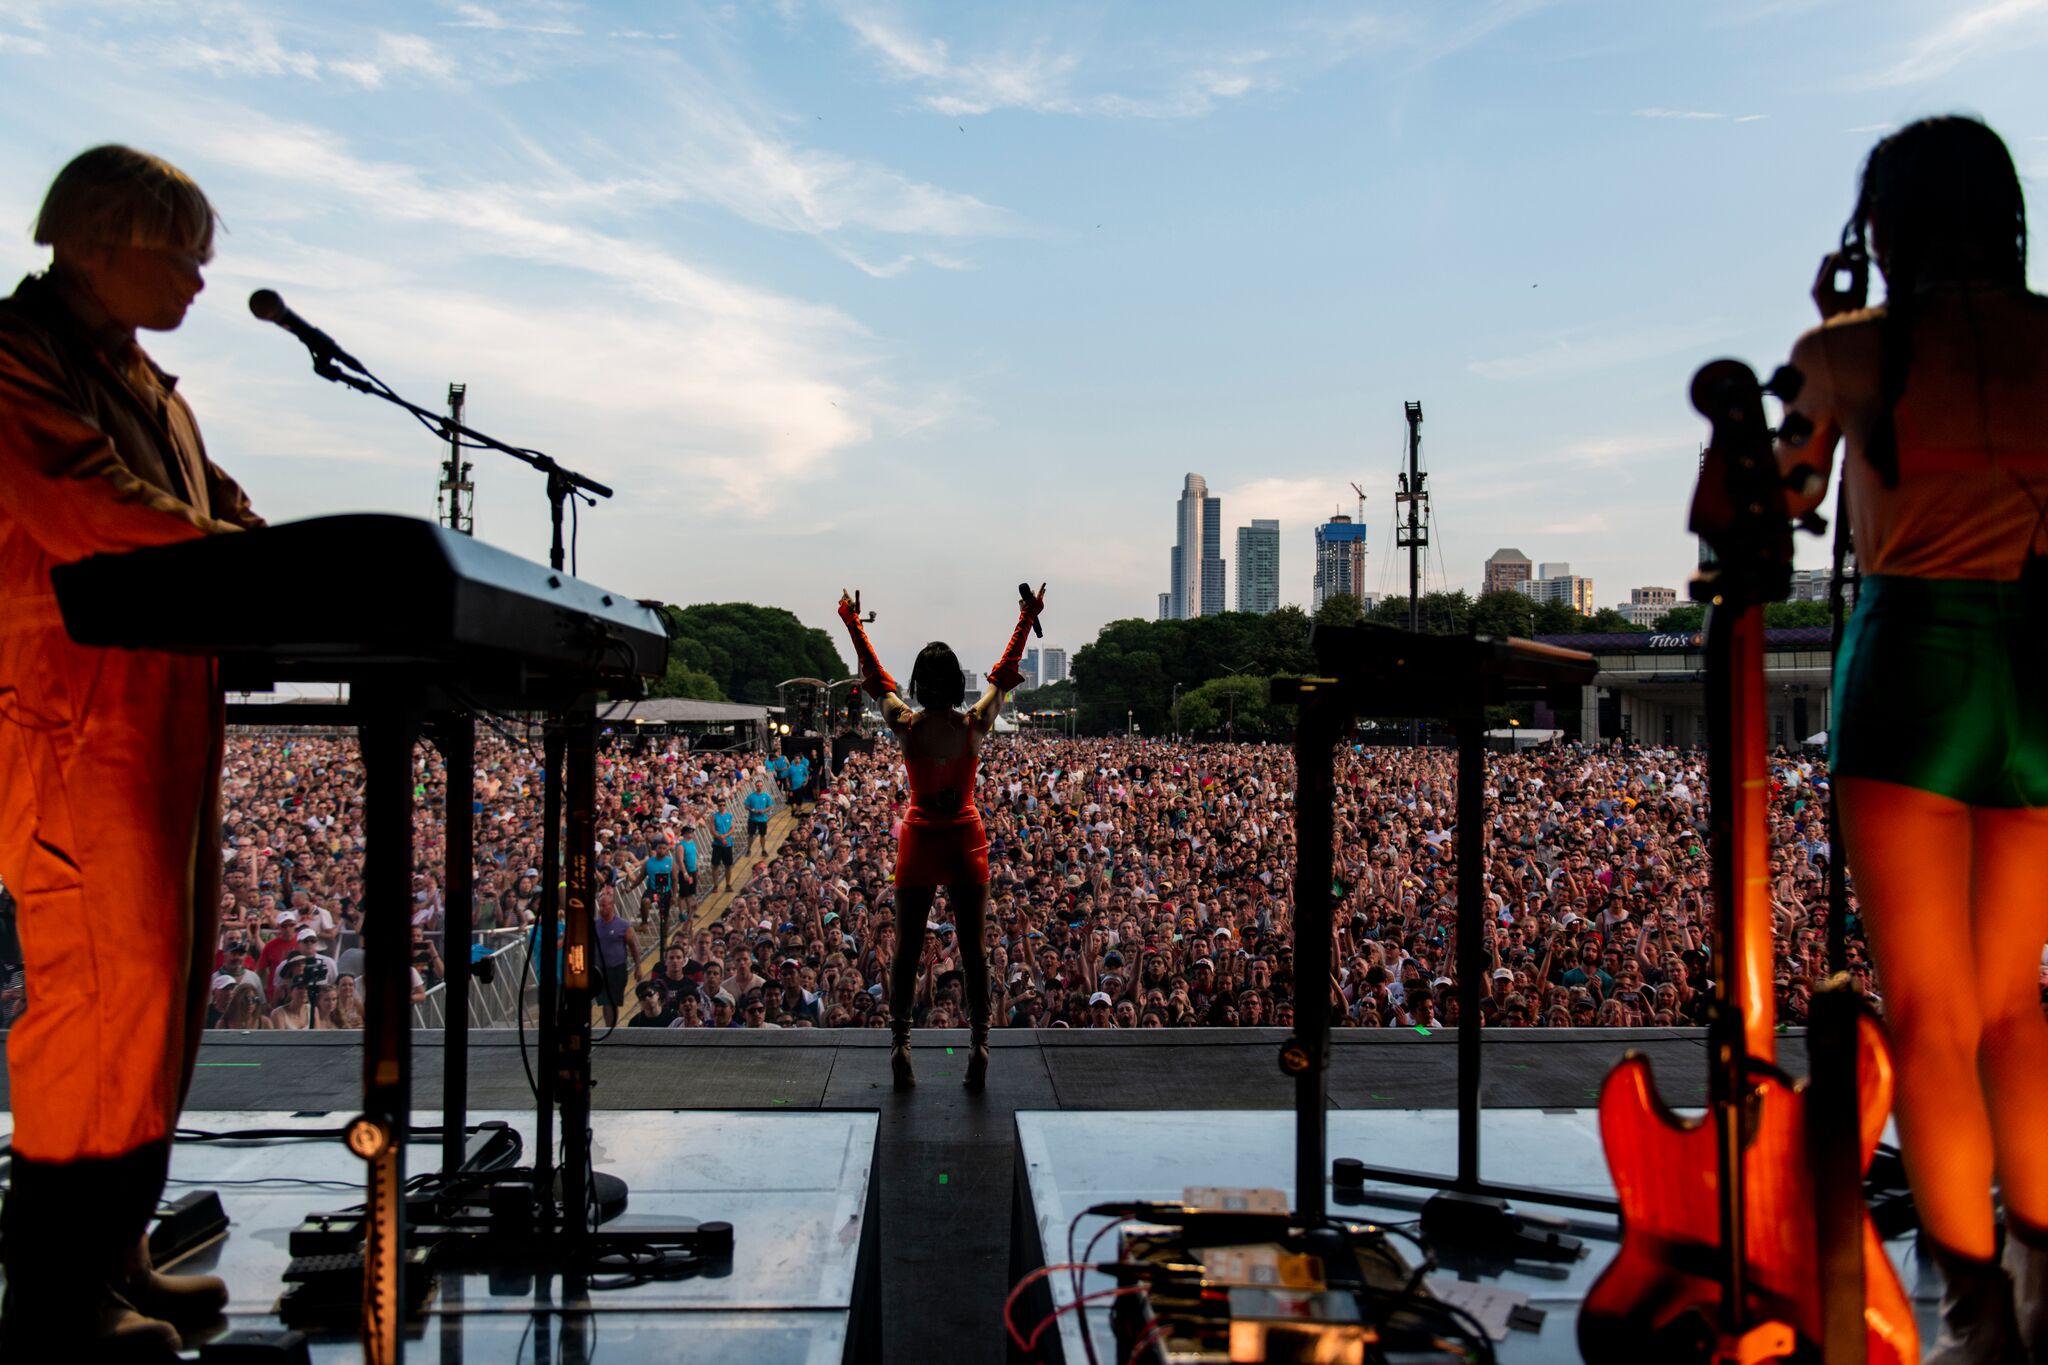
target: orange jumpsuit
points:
(109, 759)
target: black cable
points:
(272, 1180)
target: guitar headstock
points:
(1739, 507)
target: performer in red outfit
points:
(109, 766)
(943, 843)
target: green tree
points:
(1686, 616)
(1283, 643)
(1559, 618)
(746, 649)
(1340, 609)
(1238, 705)
(1608, 621)
(684, 681)
(1507, 614)
(1781, 615)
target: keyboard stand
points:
(1392, 674)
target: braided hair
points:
(1943, 202)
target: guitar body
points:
(1660, 1299)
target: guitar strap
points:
(1838, 880)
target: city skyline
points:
(925, 300)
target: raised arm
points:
(874, 679)
(1007, 673)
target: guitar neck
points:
(1740, 810)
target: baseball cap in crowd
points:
(1221, 933)
(789, 963)
(1443, 981)
(1099, 998)
(305, 934)
(1205, 962)
(1113, 958)
(221, 981)
(1503, 974)
(287, 917)
(766, 925)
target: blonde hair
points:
(118, 196)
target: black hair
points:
(1944, 202)
(935, 679)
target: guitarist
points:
(1940, 733)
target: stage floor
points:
(1067, 1162)
(946, 1160)
(796, 1188)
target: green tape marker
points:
(1422, 1029)
(942, 1177)
(949, 1052)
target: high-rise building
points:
(1506, 571)
(1645, 605)
(1559, 584)
(1196, 559)
(1212, 557)
(1258, 567)
(1340, 560)
(1030, 668)
(1052, 666)
(1165, 606)
(970, 683)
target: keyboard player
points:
(109, 764)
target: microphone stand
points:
(570, 1197)
(563, 483)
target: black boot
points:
(899, 1055)
(1977, 1322)
(2026, 1261)
(977, 1057)
(63, 1236)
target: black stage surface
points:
(946, 1160)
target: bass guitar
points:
(1722, 1231)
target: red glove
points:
(875, 679)
(1007, 674)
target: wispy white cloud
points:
(1050, 78)
(396, 52)
(760, 388)
(535, 18)
(1994, 26)
(716, 153)
(1698, 115)
(27, 46)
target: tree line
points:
(1214, 669)
(1210, 675)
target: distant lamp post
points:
(1231, 726)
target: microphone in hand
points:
(270, 307)
(1031, 599)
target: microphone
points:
(267, 305)
(1024, 591)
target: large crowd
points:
(1145, 883)
(1136, 884)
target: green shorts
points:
(1940, 685)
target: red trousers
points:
(110, 842)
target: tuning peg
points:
(1785, 384)
(1796, 429)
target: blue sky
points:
(928, 299)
